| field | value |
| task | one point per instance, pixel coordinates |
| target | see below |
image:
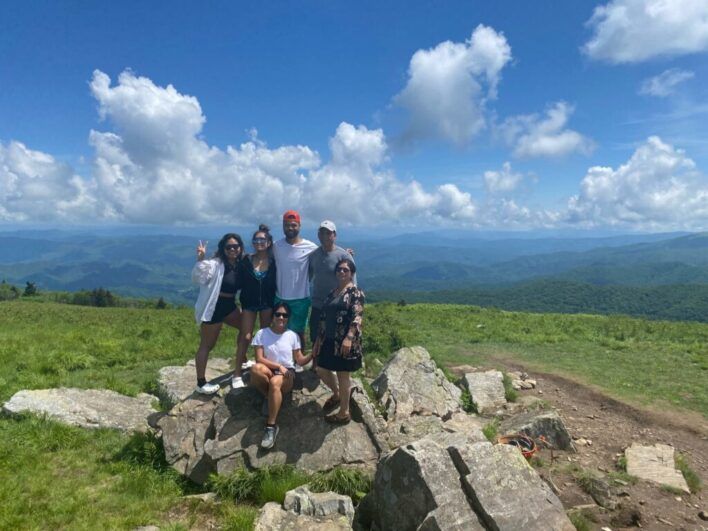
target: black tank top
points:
(228, 283)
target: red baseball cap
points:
(291, 215)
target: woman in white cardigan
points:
(218, 279)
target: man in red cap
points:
(292, 282)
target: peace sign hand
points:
(201, 249)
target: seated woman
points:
(338, 346)
(274, 372)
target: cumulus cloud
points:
(504, 180)
(448, 86)
(657, 188)
(35, 186)
(665, 83)
(154, 167)
(545, 136)
(627, 31)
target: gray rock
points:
(417, 485)
(486, 390)
(655, 463)
(362, 410)
(204, 435)
(601, 491)
(407, 430)
(302, 501)
(175, 383)
(273, 518)
(87, 408)
(537, 424)
(184, 430)
(505, 491)
(411, 384)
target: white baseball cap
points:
(329, 225)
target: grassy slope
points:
(48, 472)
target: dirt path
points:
(610, 426)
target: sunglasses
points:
(343, 270)
(232, 247)
(256, 241)
(281, 314)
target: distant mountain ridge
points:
(438, 266)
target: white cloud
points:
(154, 167)
(504, 180)
(657, 188)
(536, 136)
(449, 85)
(35, 186)
(664, 84)
(626, 31)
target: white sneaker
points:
(247, 365)
(237, 382)
(207, 389)
(299, 368)
(269, 436)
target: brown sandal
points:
(336, 419)
(330, 404)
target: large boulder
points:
(87, 408)
(505, 491)
(411, 384)
(417, 487)
(486, 390)
(175, 383)
(537, 424)
(447, 481)
(655, 463)
(204, 435)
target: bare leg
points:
(330, 380)
(208, 334)
(234, 318)
(345, 385)
(278, 385)
(265, 317)
(260, 378)
(245, 334)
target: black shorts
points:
(224, 307)
(327, 359)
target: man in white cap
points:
(322, 262)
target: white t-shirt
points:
(277, 347)
(291, 263)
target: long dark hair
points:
(221, 251)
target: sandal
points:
(330, 404)
(336, 419)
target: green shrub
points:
(466, 400)
(260, 486)
(509, 392)
(491, 430)
(580, 521)
(348, 481)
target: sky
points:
(469, 115)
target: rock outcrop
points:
(535, 424)
(447, 481)
(486, 390)
(87, 408)
(411, 384)
(176, 383)
(302, 509)
(655, 463)
(203, 435)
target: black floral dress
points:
(341, 318)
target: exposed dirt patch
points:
(610, 426)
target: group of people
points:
(282, 283)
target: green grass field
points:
(61, 477)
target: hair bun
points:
(263, 228)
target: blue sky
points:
(487, 115)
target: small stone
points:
(540, 392)
(589, 442)
(678, 498)
(603, 469)
(480, 326)
(641, 502)
(581, 442)
(703, 515)
(575, 408)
